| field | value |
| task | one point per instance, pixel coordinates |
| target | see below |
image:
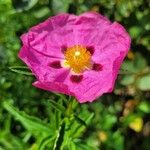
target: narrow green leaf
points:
(21, 70)
(9, 142)
(77, 130)
(62, 97)
(73, 146)
(89, 118)
(26, 137)
(45, 141)
(79, 120)
(84, 146)
(56, 106)
(60, 137)
(33, 124)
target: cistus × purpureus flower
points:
(75, 55)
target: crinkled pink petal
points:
(42, 46)
(40, 65)
(89, 28)
(49, 36)
(96, 83)
(66, 30)
(53, 87)
(110, 57)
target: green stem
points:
(61, 132)
(71, 106)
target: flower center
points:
(78, 58)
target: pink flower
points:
(75, 55)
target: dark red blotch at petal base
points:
(55, 64)
(76, 78)
(63, 49)
(97, 67)
(90, 49)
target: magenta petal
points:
(41, 69)
(89, 28)
(53, 87)
(24, 38)
(96, 83)
(43, 45)
(114, 40)
(48, 37)
(110, 54)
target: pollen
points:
(78, 58)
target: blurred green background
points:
(118, 121)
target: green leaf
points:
(21, 69)
(60, 6)
(108, 121)
(9, 141)
(56, 106)
(33, 124)
(45, 141)
(31, 3)
(79, 120)
(127, 80)
(73, 146)
(118, 140)
(135, 31)
(84, 146)
(89, 118)
(144, 83)
(41, 12)
(144, 106)
(79, 128)
(135, 66)
(60, 137)
(61, 96)
(24, 4)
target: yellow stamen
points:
(78, 58)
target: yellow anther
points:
(78, 58)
